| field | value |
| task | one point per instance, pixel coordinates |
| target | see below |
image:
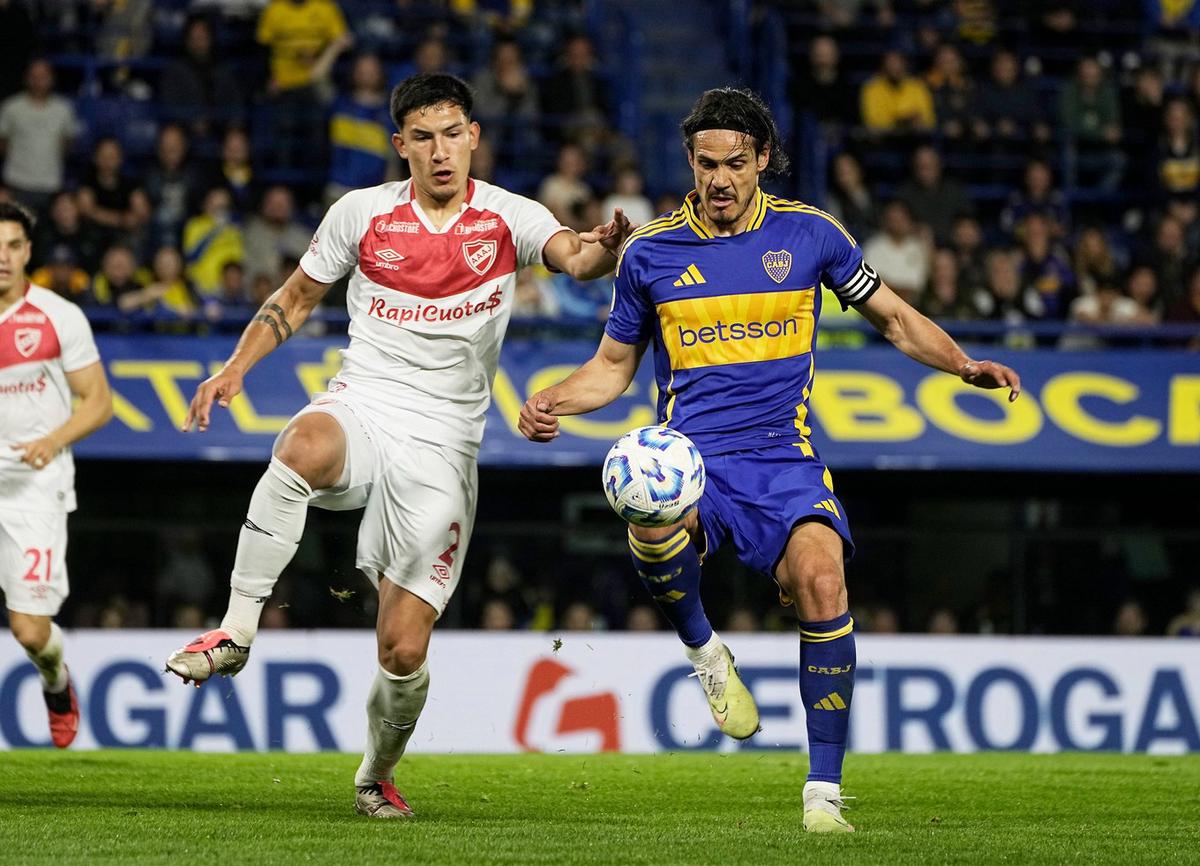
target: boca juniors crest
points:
(480, 255)
(778, 264)
(27, 341)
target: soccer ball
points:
(653, 476)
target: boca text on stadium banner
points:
(1127, 411)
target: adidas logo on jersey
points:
(830, 506)
(690, 277)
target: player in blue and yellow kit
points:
(728, 289)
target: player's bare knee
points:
(818, 590)
(822, 596)
(401, 657)
(30, 634)
(315, 452)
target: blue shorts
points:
(757, 496)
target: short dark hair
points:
(741, 111)
(427, 89)
(11, 212)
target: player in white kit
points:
(47, 357)
(434, 262)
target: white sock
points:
(705, 651)
(393, 707)
(241, 617)
(268, 541)
(49, 662)
(821, 790)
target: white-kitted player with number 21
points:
(47, 358)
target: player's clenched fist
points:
(222, 387)
(536, 423)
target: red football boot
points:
(381, 800)
(63, 709)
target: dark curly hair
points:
(427, 89)
(741, 111)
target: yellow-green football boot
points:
(732, 705)
(823, 804)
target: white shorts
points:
(419, 500)
(33, 561)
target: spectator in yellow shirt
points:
(297, 32)
(304, 38)
(210, 241)
(894, 102)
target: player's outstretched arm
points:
(922, 340)
(278, 318)
(91, 412)
(590, 255)
(595, 384)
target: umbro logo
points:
(254, 527)
(389, 255)
(690, 277)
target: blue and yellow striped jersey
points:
(734, 319)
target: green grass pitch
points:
(227, 810)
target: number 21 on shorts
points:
(37, 557)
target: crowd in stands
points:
(1018, 162)
(180, 153)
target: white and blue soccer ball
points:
(653, 476)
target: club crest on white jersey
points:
(480, 255)
(428, 303)
(27, 341)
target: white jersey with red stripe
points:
(428, 306)
(42, 338)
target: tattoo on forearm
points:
(272, 315)
(283, 322)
